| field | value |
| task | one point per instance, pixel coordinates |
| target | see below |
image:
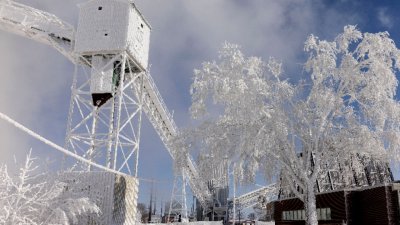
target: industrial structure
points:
(369, 197)
(111, 90)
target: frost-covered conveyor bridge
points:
(37, 25)
(96, 130)
(260, 196)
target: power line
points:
(55, 146)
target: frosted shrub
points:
(32, 198)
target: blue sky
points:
(36, 80)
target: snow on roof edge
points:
(123, 1)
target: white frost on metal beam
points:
(55, 146)
(252, 198)
(37, 25)
(165, 126)
(50, 30)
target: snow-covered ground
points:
(264, 223)
(190, 223)
(208, 223)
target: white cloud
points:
(186, 33)
(384, 18)
(35, 79)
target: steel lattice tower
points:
(112, 43)
(107, 133)
(178, 205)
(111, 86)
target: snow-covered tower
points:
(108, 28)
(112, 44)
(108, 94)
(111, 86)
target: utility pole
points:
(234, 198)
(239, 215)
(151, 200)
(155, 202)
(161, 213)
(150, 209)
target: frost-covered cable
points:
(55, 146)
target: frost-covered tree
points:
(32, 198)
(345, 106)
(142, 212)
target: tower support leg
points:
(107, 133)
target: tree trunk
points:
(311, 206)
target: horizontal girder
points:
(252, 198)
(37, 25)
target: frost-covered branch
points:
(345, 110)
(37, 198)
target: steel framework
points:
(178, 206)
(259, 196)
(39, 26)
(110, 134)
(107, 134)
